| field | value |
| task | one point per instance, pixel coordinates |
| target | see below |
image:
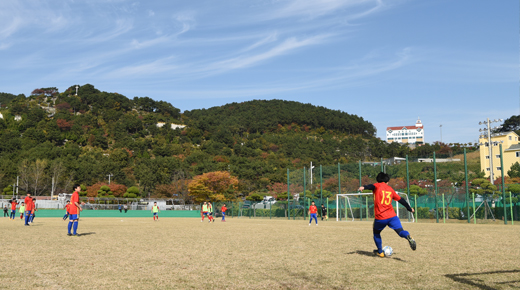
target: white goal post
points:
(352, 206)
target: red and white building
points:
(406, 134)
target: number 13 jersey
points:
(383, 196)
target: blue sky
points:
(453, 63)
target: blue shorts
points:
(73, 217)
(205, 213)
(314, 215)
(154, 213)
(393, 223)
(13, 211)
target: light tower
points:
(487, 133)
(77, 89)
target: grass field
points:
(183, 253)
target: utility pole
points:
(441, 132)
(109, 175)
(487, 130)
(77, 89)
(310, 168)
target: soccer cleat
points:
(412, 242)
(316, 224)
(69, 234)
(309, 224)
(376, 252)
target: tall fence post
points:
(366, 200)
(503, 189)
(415, 196)
(407, 177)
(288, 194)
(321, 185)
(339, 178)
(360, 173)
(474, 213)
(435, 189)
(443, 210)
(511, 204)
(382, 166)
(467, 186)
(304, 192)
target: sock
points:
(69, 227)
(378, 241)
(75, 227)
(404, 234)
(32, 218)
(27, 216)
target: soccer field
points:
(183, 253)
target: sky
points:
(449, 63)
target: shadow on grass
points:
(371, 254)
(86, 234)
(472, 279)
(314, 280)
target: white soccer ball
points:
(388, 251)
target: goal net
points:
(360, 207)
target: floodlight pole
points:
(503, 189)
(109, 175)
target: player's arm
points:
(368, 186)
(405, 204)
(78, 205)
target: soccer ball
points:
(388, 251)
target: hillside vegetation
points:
(86, 137)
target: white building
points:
(173, 126)
(406, 134)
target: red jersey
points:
(28, 203)
(67, 207)
(223, 209)
(313, 209)
(73, 209)
(13, 205)
(383, 196)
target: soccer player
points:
(313, 211)
(210, 212)
(204, 211)
(13, 208)
(223, 210)
(155, 211)
(74, 210)
(28, 208)
(67, 207)
(324, 212)
(384, 212)
(21, 210)
(33, 211)
(5, 212)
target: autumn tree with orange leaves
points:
(213, 186)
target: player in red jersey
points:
(28, 208)
(14, 203)
(74, 210)
(67, 207)
(223, 210)
(313, 213)
(384, 212)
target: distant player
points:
(210, 212)
(223, 210)
(21, 210)
(155, 211)
(204, 210)
(5, 211)
(384, 212)
(67, 207)
(28, 208)
(313, 213)
(74, 210)
(33, 211)
(324, 212)
(14, 203)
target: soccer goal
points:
(360, 206)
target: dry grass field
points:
(176, 253)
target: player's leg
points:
(395, 224)
(32, 217)
(75, 227)
(223, 216)
(315, 216)
(12, 215)
(379, 225)
(27, 216)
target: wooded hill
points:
(83, 138)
